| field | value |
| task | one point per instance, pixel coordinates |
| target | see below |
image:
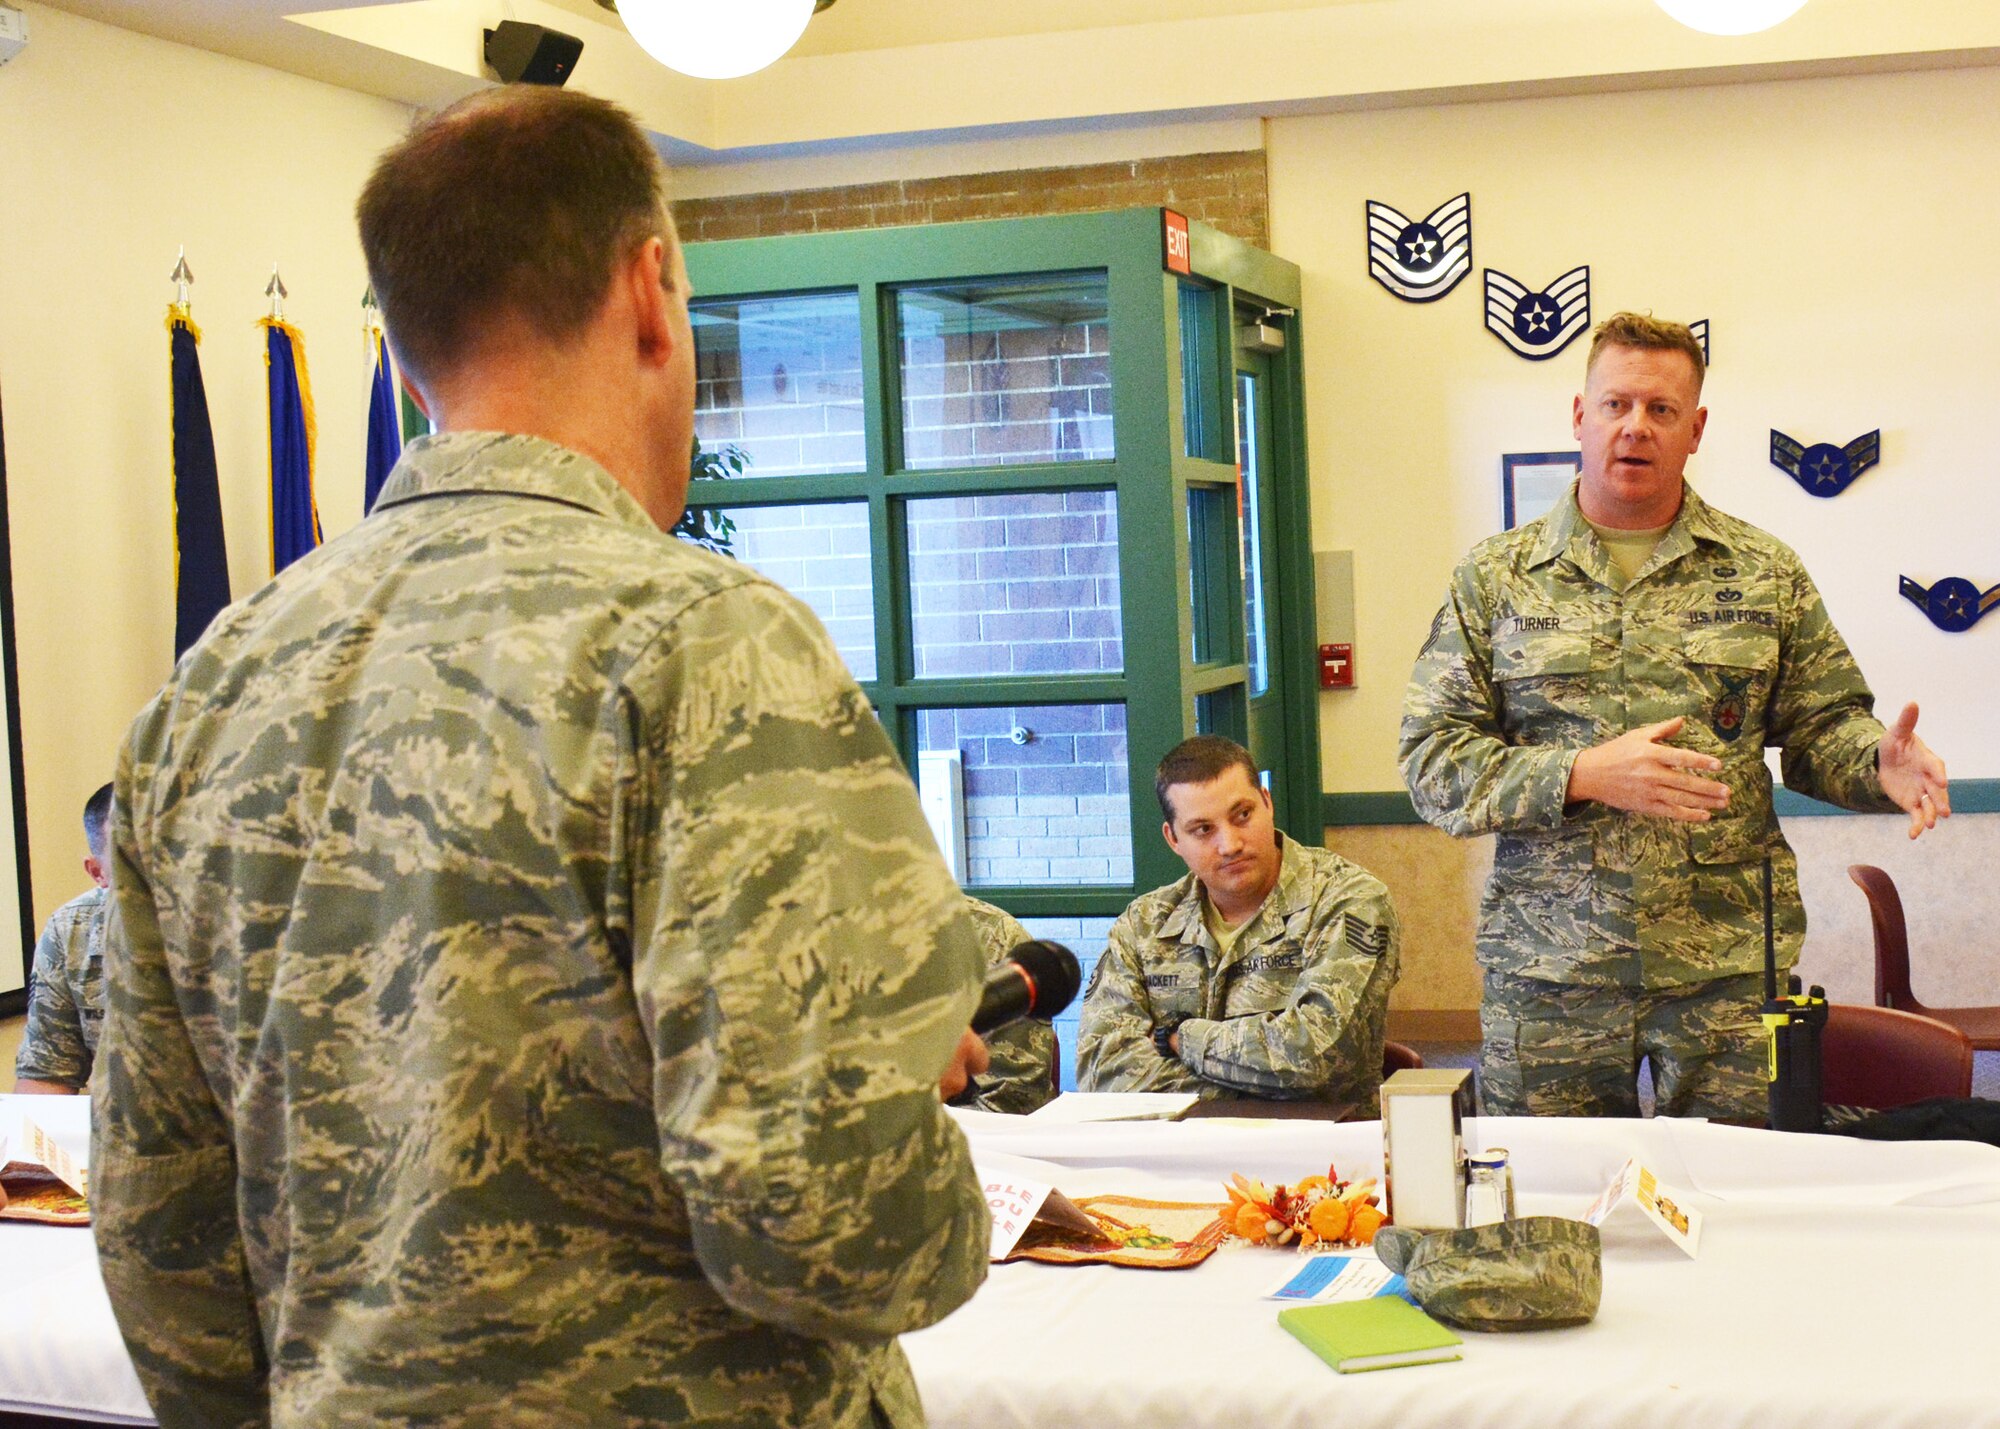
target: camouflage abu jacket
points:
(1296, 1012)
(1022, 1052)
(67, 1007)
(526, 992)
(1536, 656)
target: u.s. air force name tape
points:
(1822, 468)
(1538, 325)
(1420, 260)
(1953, 604)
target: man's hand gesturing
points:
(1912, 775)
(1641, 773)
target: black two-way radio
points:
(1793, 1025)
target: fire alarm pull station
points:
(1333, 590)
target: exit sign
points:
(1180, 256)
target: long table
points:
(1839, 1283)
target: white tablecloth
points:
(59, 1347)
(1839, 1283)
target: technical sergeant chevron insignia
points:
(1538, 325)
(1371, 940)
(1824, 469)
(1953, 604)
(1423, 259)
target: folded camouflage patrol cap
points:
(1536, 1273)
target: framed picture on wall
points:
(1531, 483)
(16, 906)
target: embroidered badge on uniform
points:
(1371, 940)
(1538, 325)
(1822, 468)
(1420, 260)
(1953, 604)
(1731, 708)
(1437, 629)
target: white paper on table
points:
(1074, 1108)
(1635, 1183)
(1326, 1277)
(1019, 1192)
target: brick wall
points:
(1226, 191)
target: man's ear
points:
(647, 278)
(1167, 832)
(97, 872)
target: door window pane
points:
(1202, 432)
(1015, 584)
(780, 379)
(1212, 571)
(1045, 791)
(820, 554)
(1006, 371)
(1086, 938)
(1247, 440)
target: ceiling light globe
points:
(716, 39)
(1731, 17)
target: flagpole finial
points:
(182, 278)
(275, 291)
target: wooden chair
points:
(1398, 1058)
(1892, 963)
(1877, 1057)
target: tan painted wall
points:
(116, 148)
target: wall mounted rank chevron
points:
(1953, 604)
(1823, 469)
(1420, 260)
(1538, 324)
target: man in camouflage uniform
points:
(531, 970)
(1023, 1053)
(1598, 690)
(66, 1006)
(1263, 973)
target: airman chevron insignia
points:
(1423, 259)
(1824, 469)
(1953, 604)
(1538, 325)
(1371, 940)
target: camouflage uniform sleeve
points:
(1114, 1039)
(1329, 1037)
(1822, 714)
(52, 1045)
(1016, 1081)
(1462, 774)
(805, 967)
(163, 1179)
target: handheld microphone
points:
(1038, 979)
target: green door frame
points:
(1149, 472)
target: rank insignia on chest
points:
(1538, 325)
(1953, 604)
(1732, 707)
(1420, 260)
(1824, 469)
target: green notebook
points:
(1382, 1333)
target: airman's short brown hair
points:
(1643, 330)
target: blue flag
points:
(201, 560)
(385, 440)
(294, 434)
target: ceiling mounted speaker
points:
(1731, 17)
(716, 41)
(521, 53)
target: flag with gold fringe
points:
(294, 436)
(385, 438)
(201, 559)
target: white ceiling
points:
(874, 71)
